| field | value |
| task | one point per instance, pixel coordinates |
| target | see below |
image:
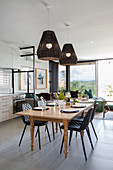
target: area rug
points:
(108, 116)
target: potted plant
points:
(80, 96)
(61, 96)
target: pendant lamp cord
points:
(67, 33)
(48, 20)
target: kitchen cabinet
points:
(6, 108)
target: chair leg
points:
(36, 133)
(45, 128)
(94, 130)
(62, 145)
(71, 132)
(89, 136)
(83, 146)
(39, 137)
(60, 128)
(53, 130)
(48, 133)
(76, 134)
(22, 135)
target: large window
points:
(62, 77)
(105, 79)
(5, 81)
(82, 77)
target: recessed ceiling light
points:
(92, 42)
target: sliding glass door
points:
(105, 79)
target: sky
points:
(81, 73)
(84, 72)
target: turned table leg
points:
(82, 132)
(56, 127)
(65, 123)
(32, 132)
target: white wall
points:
(10, 58)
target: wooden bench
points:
(107, 107)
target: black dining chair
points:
(79, 127)
(26, 121)
(81, 118)
(40, 104)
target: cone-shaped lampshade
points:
(68, 56)
(48, 48)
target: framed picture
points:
(41, 78)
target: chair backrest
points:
(46, 96)
(87, 119)
(26, 106)
(94, 110)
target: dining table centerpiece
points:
(71, 100)
(80, 95)
(60, 97)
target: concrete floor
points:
(13, 157)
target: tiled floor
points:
(13, 157)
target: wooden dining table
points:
(53, 114)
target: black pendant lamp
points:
(48, 48)
(68, 55)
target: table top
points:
(87, 101)
(107, 101)
(54, 113)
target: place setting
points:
(52, 104)
(41, 105)
(78, 106)
(69, 110)
(40, 108)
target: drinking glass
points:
(55, 102)
(43, 104)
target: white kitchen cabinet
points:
(6, 108)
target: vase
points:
(79, 97)
(60, 102)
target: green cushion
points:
(110, 106)
(28, 95)
(89, 93)
(99, 106)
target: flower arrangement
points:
(73, 100)
(80, 94)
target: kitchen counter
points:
(9, 94)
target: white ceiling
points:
(23, 21)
